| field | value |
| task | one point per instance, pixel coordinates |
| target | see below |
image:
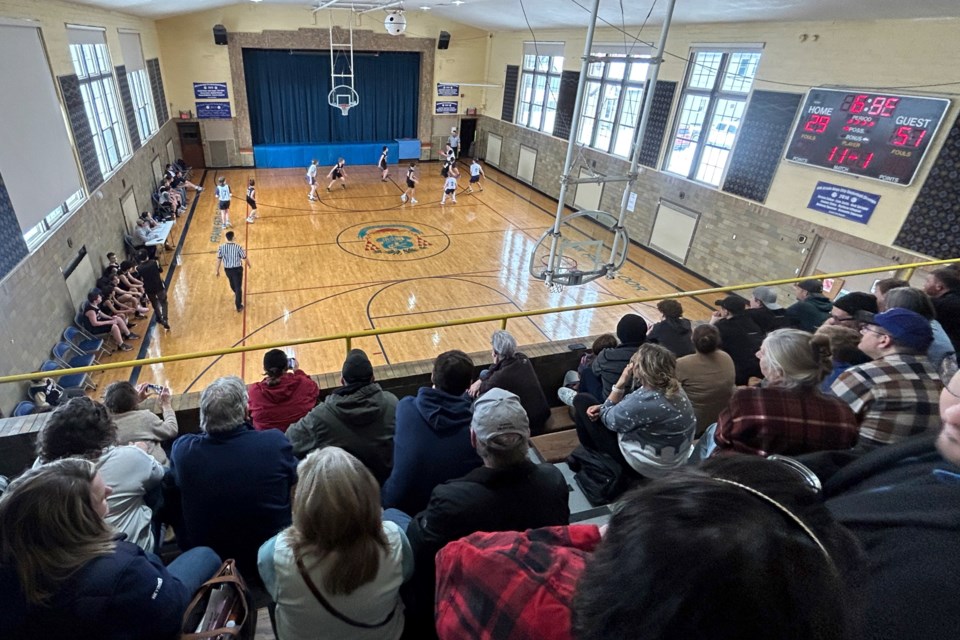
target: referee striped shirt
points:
(232, 255)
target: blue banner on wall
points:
(842, 202)
(448, 89)
(446, 107)
(209, 90)
(213, 110)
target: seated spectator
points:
(943, 287)
(339, 567)
(764, 310)
(179, 179)
(739, 336)
(881, 287)
(508, 493)
(358, 417)
(844, 343)
(97, 323)
(607, 367)
(580, 380)
(234, 482)
(64, 574)
(111, 277)
(941, 354)
(673, 331)
(811, 308)
(432, 441)
(284, 396)
(128, 280)
(141, 236)
(903, 504)
(647, 422)
(83, 428)
(112, 261)
(512, 371)
(788, 414)
(895, 395)
(707, 376)
(112, 306)
(845, 309)
(139, 426)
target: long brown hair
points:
(50, 528)
(336, 514)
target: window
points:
(714, 99)
(611, 103)
(91, 61)
(35, 234)
(139, 84)
(540, 85)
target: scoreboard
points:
(874, 135)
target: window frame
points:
(142, 98)
(549, 71)
(602, 81)
(35, 235)
(101, 103)
(704, 169)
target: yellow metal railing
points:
(906, 269)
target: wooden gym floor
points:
(320, 268)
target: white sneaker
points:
(566, 395)
(250, 220)
(403, 198)
(413, 200)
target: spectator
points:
(432, 441)
(512, 371)
(811, 308)
(941, 353)
(508, 493)
(139, 426)
(632, 332)
(63, 573)
(739, 336)
(358, 417)
(582, 380)
(895, 395)
(284, 396)
(97, 323)
(881, 287)
(234, 482)
(943, 287)
(844, 343)
(83, 428)
(845, 309)
(673, 332)
(141, 236)
(339, 567)
(764, 310)
(707, 376)
(647, 422)
(788, 414)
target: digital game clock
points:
(875, 135)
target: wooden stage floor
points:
(319, 268)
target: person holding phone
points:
(141, 426)
(285, 394)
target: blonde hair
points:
(801, 359)
(50, 527)
(336, 514)
(657, 369)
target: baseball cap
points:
(357, 367)
(810, 286)
(499, 412)
(767, 296)
(857, 301)
(732, 303)
(907, 328)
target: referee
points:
(232, 256)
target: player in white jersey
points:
(450, 186)
(412, 181)
(223, 197)
(383, 165)
(252, 199)
(312, 179)
(476, 172)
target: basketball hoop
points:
(344, 98)
(344, 109)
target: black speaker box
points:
(219, 34)
(444, 41)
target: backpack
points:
(601, 478)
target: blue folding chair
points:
(68, 355)
(85, 345)
(24, 408)
(73, 381)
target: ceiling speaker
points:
(444, 41)
(219, 34)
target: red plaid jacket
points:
(765, 420)
(511, 585)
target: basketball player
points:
(223, 197)
(449, 159)
(252, 200)
(383, 165)
(450, 186)
(338, 173)
(476, 172)
(312, 180)
(412, 181)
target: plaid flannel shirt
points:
(511, 585)
(766, 420)
(894, 397)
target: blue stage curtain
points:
(287, 95)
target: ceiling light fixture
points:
(457, 2)
(424, 8)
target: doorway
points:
(468, 131)
(191, 144)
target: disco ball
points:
(395, 23)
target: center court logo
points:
(393, 241)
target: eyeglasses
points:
(879, 333)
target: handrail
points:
(348, 337)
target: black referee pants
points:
(235, 276)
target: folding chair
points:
(68, 355)
(24, 408)
(85, 345)
(73, 381)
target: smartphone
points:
(156, 388)
(292, 363)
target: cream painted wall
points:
(187, 45)
(889, 53)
